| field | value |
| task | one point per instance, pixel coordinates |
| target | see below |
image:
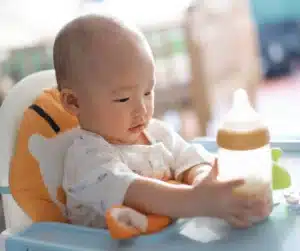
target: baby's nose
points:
(140, 109)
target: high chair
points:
(19, 98)
(22, 234)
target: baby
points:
(105, 75)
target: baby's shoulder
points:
(89, 144)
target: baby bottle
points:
(244, 149)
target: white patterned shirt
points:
(97, 174)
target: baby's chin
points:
(131, 136)
(133, 139)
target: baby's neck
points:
(141, 140)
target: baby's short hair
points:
(70, 51)
(83, 43)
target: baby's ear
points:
(69, 101)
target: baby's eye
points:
(122, 100)
(148, 93)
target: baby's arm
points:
(157, 197)
(190, 161)
(97, 178)
(199, 172)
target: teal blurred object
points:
(266, 11)
(278, 27)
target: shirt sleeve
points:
(186, 155)
(96, 177)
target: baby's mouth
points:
(137, 128)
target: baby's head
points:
(105, 74)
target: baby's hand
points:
(217, 199)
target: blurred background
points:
(204, 50)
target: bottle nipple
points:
(240, 99)
(242, 128)
(242, 116)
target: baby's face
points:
(120, 109)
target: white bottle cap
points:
(242, 117)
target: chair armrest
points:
(52, 236)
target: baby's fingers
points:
(249, 207)
(262, 208)
(241, 212)
(215, 170)
(239, 221)
(231, 184)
